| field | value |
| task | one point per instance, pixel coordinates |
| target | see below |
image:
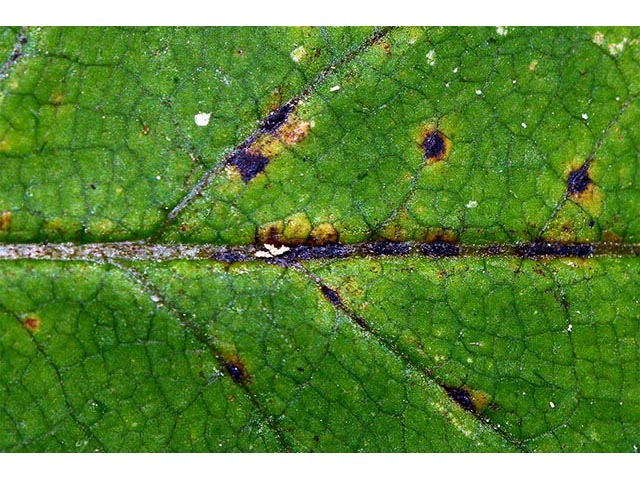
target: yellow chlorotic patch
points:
(5, 145)
(440, 234)
(394, 232)
(298, 53)
(294, 131)
(100, 227)
(297, 228)
(479, 399)
(270, 232)
(323, 233)
(5, 221)
(591, 199)
(266, 145)
(56, 98)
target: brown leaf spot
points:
(31, 323)
(271, 233)
(612, 237)
(5, 221)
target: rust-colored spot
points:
(386, 46)
(612, 237)
(294, 131)
(5, 221)
(145, 129)
(435, 145)
(31, 323)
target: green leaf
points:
(319, 239)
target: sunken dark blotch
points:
(236, 371)
(331, 295)
(248, 164)
(578, 180)
(556, 249)
(434, 145)
(462, 397)
(277, 118)
(439, 248)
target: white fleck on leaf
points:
(202, 118)
(431, 57)
(298, 54)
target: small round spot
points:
(31, 323)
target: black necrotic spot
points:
(248, 164)
(461, 397)
(439, 249)
(388, 248)
(330, 250)
(433, 145)
(546, 249)
(276, 118)
(578, 180)
(331, 295)
(236, 371)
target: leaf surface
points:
(319, 239)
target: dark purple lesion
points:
(578, 180)
(277, 118)
(237, 371)
(434, 145)
(248, 164)
(461, 396)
